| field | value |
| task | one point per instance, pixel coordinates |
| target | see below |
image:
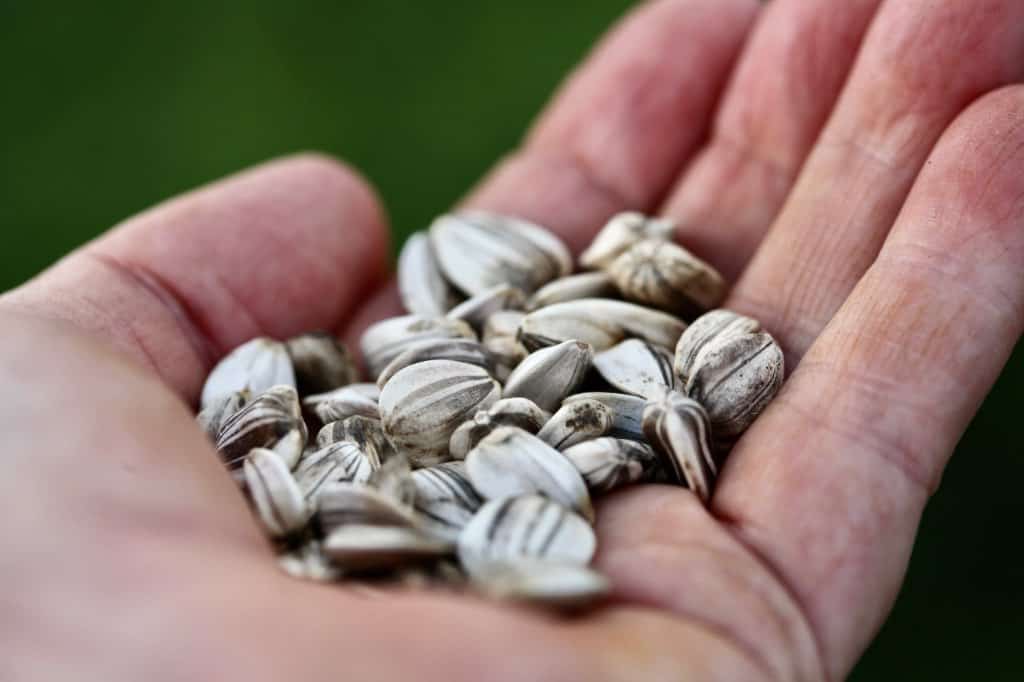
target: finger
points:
(829, 484)
(784, 87)
(922, 63)
(289, 246)
(626, 122)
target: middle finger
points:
(922, 63)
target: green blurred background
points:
(110, 107)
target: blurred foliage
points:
(110, 107)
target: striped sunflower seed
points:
(478, 250)
(548, 375)
(679, 430)
(620, 233)
(572, 288)
(365, 432)
(608, 463)
(338, 462)
(512, 462)
(280, 503)
(514, 529)
(354, 503)
(358, 547)
(394, 479)
(476, 310)
(255, 366)
(272, 420)
(344, 402)
(637, 367)
(384, 341)
(627, 412)
(730, 367)
(468, 351)
(578, 421)
(667, 276)
(321, 362)
(600, 322)
(424, 403)
(519, 412)
(212, 418)
(545, 583)
(445, 499)
(422, 287)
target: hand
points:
(863, 187)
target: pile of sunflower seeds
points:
(511, 394)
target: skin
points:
(855, 167)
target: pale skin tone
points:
(857, 168)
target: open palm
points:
(855, 167)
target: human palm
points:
(855, 167)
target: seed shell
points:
(679, 430)
(575, 422)
(279, 501)
(519, 412)
(609, 463)
(478, 250)
(637, 367)
(424, 403)
(667, 276)
(512, 462)
(601, 322)
(255, 366)
(548, 375)
(422, 287)
(512, 529)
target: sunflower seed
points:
(520, 412)
(636, 367)
(478, 250)
(731, 368)
(309, 563)
(445, 499)
(579, 421)
(667, 276)
(220, 410)
(679, 430)
(254, 366)
(546, 583)
(272, 418)
(504, 323)
(424, 403)
(344, 402)
(384, 341)
(607, 463)
(506, 353)
(513, 529)
(421, 285)
(359, 547)
(627, 412)
(338, 462)
(365, 432)
(279, 501)
(321, 362)
(572, 288)
(620, 233)
(476, 310)
(354, 503)
(548, 375)
(511, 462)
(600, 322)
(394, 479)
(460, 350)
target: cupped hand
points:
(855, 167)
